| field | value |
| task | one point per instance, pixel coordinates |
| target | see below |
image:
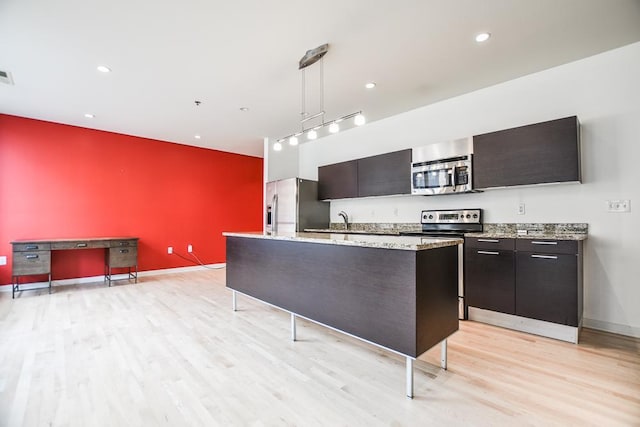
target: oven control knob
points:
(475, 215)
(430, 216)
(468, 215)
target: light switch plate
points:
(521, 209)
(618, 205)
(3, 260)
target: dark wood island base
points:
(401, 299)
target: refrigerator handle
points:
(274, 213)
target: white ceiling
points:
(244, 53)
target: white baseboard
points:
(615, 328)
(100, 279)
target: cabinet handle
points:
(544, 256)
(124, 251)
(32, 247)
(81, 245)
(537, 242)
(124, 243)
(489, 240)
(488, 253)
(32, 256)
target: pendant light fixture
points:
(312, 132)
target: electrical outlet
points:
(521, 209)
(618, 205)
(170, 250)
(3, 260)
(189, 248)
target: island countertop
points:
(409, 243)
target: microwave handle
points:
(453, 176)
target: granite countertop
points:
(567, 231)
(409, 243)
(497, 235)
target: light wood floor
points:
(169, 351)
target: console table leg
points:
(443, 354)
(49, 283)
(293, 327)
(409, 374)
(233, 301)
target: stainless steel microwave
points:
(442, 175)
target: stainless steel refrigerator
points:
(292, 205)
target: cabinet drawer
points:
(123, 257)
(490, 243)
(35, 262)
(548, 246)
(22, 247)
(80, 244)
(125, 243)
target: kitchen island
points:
(397, 292)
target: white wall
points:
(604, 92)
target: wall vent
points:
(5, 77)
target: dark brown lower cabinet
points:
(490, 279)
(538, 279)
(547, 287)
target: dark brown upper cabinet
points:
(338, 181)
(534, 154)
(381, 175)
(385, 174)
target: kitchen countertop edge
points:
(409, 243)
(559, 236)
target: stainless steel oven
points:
(444, 168)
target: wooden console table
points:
(33, 257)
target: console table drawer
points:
(23, 247)
(80, 244)
(123, 257)
(124, 243)
(35, 262)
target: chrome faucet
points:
(345, 217)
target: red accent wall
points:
(59, 181)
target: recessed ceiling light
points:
(103, 69)
(244, 109)
(197, 136)
(89, 115)
(370, 85)
(482, 37)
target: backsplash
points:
(534, 229)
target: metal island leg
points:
(293, 327)
(409, 373)
(443, 354)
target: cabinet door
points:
(490, 279)
(338, 181)
(123, 257)
(385, 174)
(547, 287)
(534, 154)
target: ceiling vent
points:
(5, 77)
